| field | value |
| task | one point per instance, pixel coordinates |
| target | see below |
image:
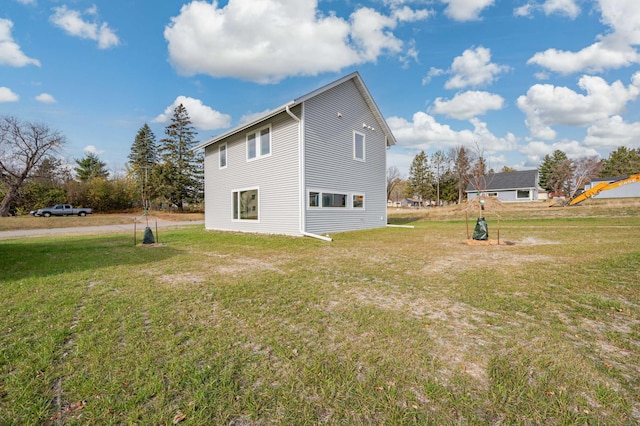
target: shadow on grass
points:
(21, 259)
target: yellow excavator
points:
(603, 186)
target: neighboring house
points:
(315, 165)
(630, 190)
(507, 186)
(405, 202)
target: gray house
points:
(630, 190)
(508, 186)
(315, 165)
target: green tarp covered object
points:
(481, 231)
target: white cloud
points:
(27, 1)
(474, 68)
(73, 23)
(247, 118)
(7, 95)
(615, 49)
(433, 72)
(612, 133)
(466, 10)
(536, 150)
(202, 117)
(10, 52)
(467, 105)
(550, 7)
(45, 98)
(546, 105)
(91, 149)
(425, 133)
(268, 40)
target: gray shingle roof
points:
(505, 181)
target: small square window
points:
(358, 201)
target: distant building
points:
(521, 186)
(630, 190)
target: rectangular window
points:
(251, 146)
(523, 194)
(222, 154)
(320, 199)
(245, 204)
(334, 200)
(259, 143)
(314, 199)
(358, 146)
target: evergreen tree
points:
(142, 159)
(621, 162)
(182, 175)
(420, 181)
(459, 157)
(546, 169)
(91, 167)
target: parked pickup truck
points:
(62, 210)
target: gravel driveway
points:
(95, 229)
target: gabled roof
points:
(355, 76)
(506, 181)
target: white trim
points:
(226, 156)
(364, 145)
(239, 190)
(257, 133)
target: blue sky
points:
(513, 80)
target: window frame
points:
(316, 199)
(364, 144)
(257, 138)
(223, 149)
(518, 191)
(353, 201)
(235, 205)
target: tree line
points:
(444, 176)
(159, 174)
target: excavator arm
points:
(603, 186)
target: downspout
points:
(301, 180)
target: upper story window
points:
(358, 146)
(259, 143)
(222, 155)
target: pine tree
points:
(91, 167)
(553, 171)
(420, 181)
(459, 156)
(182, 177)
(142, 159)
(621, 162)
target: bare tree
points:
(393, 178)
(440, 164)
(23, 147)
(584, 169)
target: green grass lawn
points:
(388, 326)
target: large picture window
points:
(222, 155)
(358, 146)
(259, 143)
(245, 204)
(523, 194)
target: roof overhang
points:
(355, 76)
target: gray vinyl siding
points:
(275, 176)
(329, 121)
